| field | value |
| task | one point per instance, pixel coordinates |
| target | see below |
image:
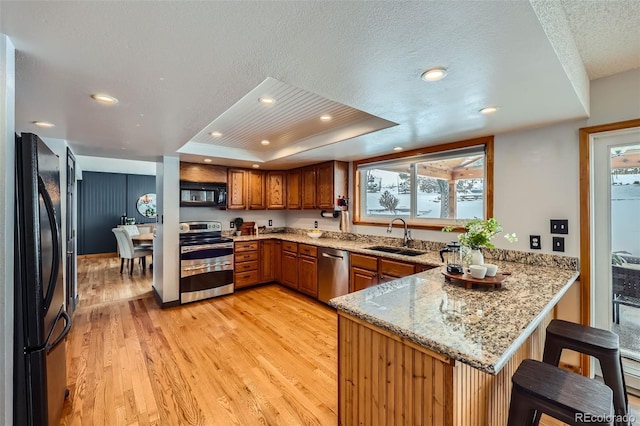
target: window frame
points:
(434, 224)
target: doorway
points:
(615, 245)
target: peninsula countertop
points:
(479, 327)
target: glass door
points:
(616, 201)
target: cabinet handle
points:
(381, 277)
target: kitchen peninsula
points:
(419, 350)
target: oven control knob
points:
(184, 227)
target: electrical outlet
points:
(270, 222)
(558, 244)
(232, 225)
(559, 226)
(315, 224)
(534, 242)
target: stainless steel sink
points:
(396, 250)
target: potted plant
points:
(479, 234)
(238, 221)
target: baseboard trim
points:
(162, 304)
(97, 255)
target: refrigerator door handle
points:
(67, 326)
(51, 213)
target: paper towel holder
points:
(334, 214)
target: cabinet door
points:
(277, 261)
(236, 198)
(294, 180)
(324, 180)
(362, 278)
(308, 275)
(391, 269)
(290, 269)
(276, 190)
(257, 198)
(309, 188)
(266, 261)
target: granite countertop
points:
(480, 327)
(430, 258)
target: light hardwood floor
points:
(260, 356)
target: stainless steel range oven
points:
(206, 261)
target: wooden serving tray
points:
(469, 281)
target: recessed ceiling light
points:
(434, 74)
(207, 160)
(265, 142)
(216, 134)
(44, 124)
(325, 117)
(256, 166)
(489, 110)
(266, 101)
(398, 148)
(104, 99)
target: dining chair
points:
(128, 251)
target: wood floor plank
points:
(262, 356)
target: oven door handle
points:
(190, 249)
(205, 266)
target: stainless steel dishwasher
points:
(333, 273)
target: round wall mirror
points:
(146, 205)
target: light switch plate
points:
(559, 226)
(270, 222)
(558, 244)
(232, 225)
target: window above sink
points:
(429, 188)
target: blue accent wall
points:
(102, 199)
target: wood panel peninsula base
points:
(421, 351)
(384, 379)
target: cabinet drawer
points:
(288, 246)
(243, 279)
(246, 246)
(246, 256)
(308, 250)
(396, 269)
(246, 266)
(364, 262)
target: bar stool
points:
(601, 344)
(565, 396)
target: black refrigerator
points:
(41, 322)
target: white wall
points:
(537, 179)
(115, 165)
(166, 251)
(615, 98)
(261, 217)
(7, 202)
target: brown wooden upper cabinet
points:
(236, 192)
(255, 189)
(323, 183)
(294, 185)
(276, 190)
(204, 173)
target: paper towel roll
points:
(345, 222)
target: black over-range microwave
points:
(199, 194)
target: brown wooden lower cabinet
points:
(246, 264)
(308, 269)
(362, 278)
(367, 271)
(386, 379)
(267, 264)
(290, 266)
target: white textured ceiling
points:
(607, 34)
(178, 66)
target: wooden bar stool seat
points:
(601, 344)
(565, 396)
